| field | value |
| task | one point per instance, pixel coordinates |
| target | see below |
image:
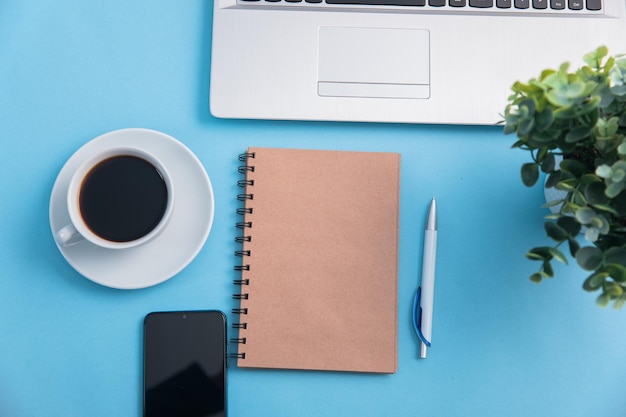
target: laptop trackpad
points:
(373, 62)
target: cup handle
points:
(68, 236)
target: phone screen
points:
(184, 364)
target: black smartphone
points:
(184, 364)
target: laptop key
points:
(575, 4)
(437, 3)
(540, 4)
(522, 4)
(557, 4)
(594, 4)
(481, 3)
(457, 3)
(504, 4)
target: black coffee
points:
(123, 198)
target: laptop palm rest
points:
(373, 62)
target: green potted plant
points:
(573, 125)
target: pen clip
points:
(417, 316)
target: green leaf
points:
(585, 215)
(606, 97)
(539, 254)
(616, 271)
(525, 126)
(530, 174)
(618, 90)
(553, 179)
(548, 272)
(558, 255)
(546, 72)
(578, 198)
(573, 247)
(577, 134)
(594, 193)
(509, 128)
(568, 185)
(619, 204)
(589, 178)
(542, 138)
(603, 300)
(616, 255)
(553, 203)
(555, 232)
(569, 224)
(619, 302)
(566, 89)
(592, 234)
(601, 223)
(564, 113)
(545, 118)
(613, 289)
(589, 258)
(572, 166)
(518, 144)
(607, 128)
(534, 256)
(548, 163)
(527, 106)
(595, 281)
(619, 171)
(569, 208)
(619, 167)
(606, 208)
(594, 59)
(614, 189)
(604, 171)
(536, 277)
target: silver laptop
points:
(417, 61)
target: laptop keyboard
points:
(503, 6)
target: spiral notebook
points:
(319, 260)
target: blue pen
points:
(423, 302)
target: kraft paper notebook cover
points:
(319, 260)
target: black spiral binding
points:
(244, 226)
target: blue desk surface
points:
(502, 346)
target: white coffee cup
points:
(119, 170)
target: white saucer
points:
(167, 254)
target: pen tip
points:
(432, 216)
